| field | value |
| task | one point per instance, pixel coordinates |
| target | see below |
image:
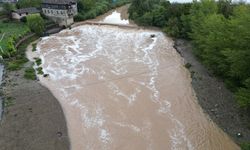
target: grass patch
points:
(9, 101)
(30, 73)
(39, 70)
(16, 30)
(38, 61)
(16, 64)
(33, 47)
(188, 65)
(245, 146)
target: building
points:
(20, 13)
(60, 11)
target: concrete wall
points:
(66, 21)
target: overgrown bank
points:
(89, 9)
(219, 32)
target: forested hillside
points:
(219, 31)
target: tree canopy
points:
(36, 23)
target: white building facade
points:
(60, 11)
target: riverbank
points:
(1, 100)
(215, 99)
(33, 119)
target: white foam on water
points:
(130, 126)
(117, 91)
(105, 136)
(115, 18)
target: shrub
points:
(16, 64)
(39, 70)
(36, 23)
(33, 47)
(23, 19)
(38, 61)
(30, 73)
(245, 146)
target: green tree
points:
(225, 7)
(7, 8)
(36, 23)
(29, 3)
(85, 5)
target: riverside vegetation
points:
(219, 32)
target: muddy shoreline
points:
(214, 98)
(33, 119)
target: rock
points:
(59, 134)
(216, 105)
(152, 35)
(239, 135)
(45, 75)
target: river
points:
(127, 89)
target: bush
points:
(13, 66)
(146, 19)
(23, 19)
(28, 3)
(30, 74)
(33, 47)
(16, 64)
(36, 23)
(38, 61)
(39, 70)
(245, 146)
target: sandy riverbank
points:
(35, 121)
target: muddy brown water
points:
(123, 89)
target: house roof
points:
(31, 10)
(58, 1)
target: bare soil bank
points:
(35, 121)
(215, 99)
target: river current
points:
(127, 89)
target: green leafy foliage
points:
(36, 23)
(89, 9)
(29, 3)
(7, 8)
(30, 73)
(10, 33)
(16, 64)
(39, 70)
